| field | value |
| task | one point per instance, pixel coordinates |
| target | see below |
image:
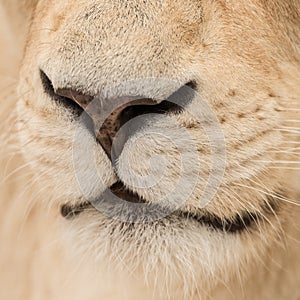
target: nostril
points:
(113, 143)
(59, 98)
(174, 104)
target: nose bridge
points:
(113, 22)
(104, 45)
(132, 14)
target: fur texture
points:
(243, 57)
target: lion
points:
(150, 149)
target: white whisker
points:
(277, 161)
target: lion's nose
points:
(110, 114)
(110, 117)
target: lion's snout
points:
(110, 115)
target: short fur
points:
(243, 57)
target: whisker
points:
(284, 168)
(270, 194)
(277, 161)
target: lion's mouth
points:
(235, 224)
(118, 189)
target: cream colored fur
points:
(244, 56)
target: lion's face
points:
(202, 85)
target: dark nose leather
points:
(109, 115)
